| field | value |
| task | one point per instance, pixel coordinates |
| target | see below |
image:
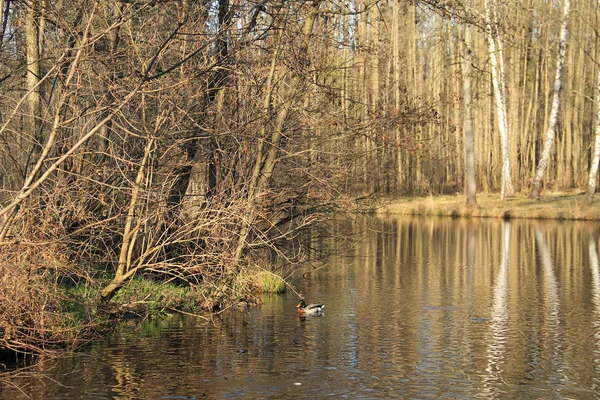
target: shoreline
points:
(83, 318)
(552, 206)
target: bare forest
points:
(187, 139)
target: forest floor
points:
(559, 206)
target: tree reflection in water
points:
(416, 308)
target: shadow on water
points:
(415, 308)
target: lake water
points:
(415, 308)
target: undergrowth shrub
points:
(32, 318)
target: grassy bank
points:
(148, 298)
(43, 314)
(559, 206)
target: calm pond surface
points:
(415, 308)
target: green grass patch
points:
(79, 305)
(156, 299)
(140, 296)
(269, 282)
(257, 280)
(147, 298)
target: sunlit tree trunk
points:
(362, 107)
(564, 176)
(33, 72)
(468, 119)
(33, 118)
(41, 19)
(551, 132)
(375, 100)
(345, 92)
(459, 167)
(394, 94)
(577, 156)
(395, 36)
(498, 82)
(3, 20)
(593, 174)
(414, 87)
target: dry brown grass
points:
(561, 206)
(31, 317)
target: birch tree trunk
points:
(593, 177)
(499, 85)
(2, 20)
(551, 132)
(468, 119)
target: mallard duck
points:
(309, 309)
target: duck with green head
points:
(309, 309)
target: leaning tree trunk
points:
(34, 176)
(124, 270)
(551, 133)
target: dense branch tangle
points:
(139, 152)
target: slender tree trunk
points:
(551, 133)
(41, 19)
(345, 73)
(363, 108)
(459, 165)
(593, 175)
(2, 20)
(498, 82)
(580, 123)
(375, 100)
(33, 73)
(468, 119)
(525, 95)
(4, 12)
(396, 89)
